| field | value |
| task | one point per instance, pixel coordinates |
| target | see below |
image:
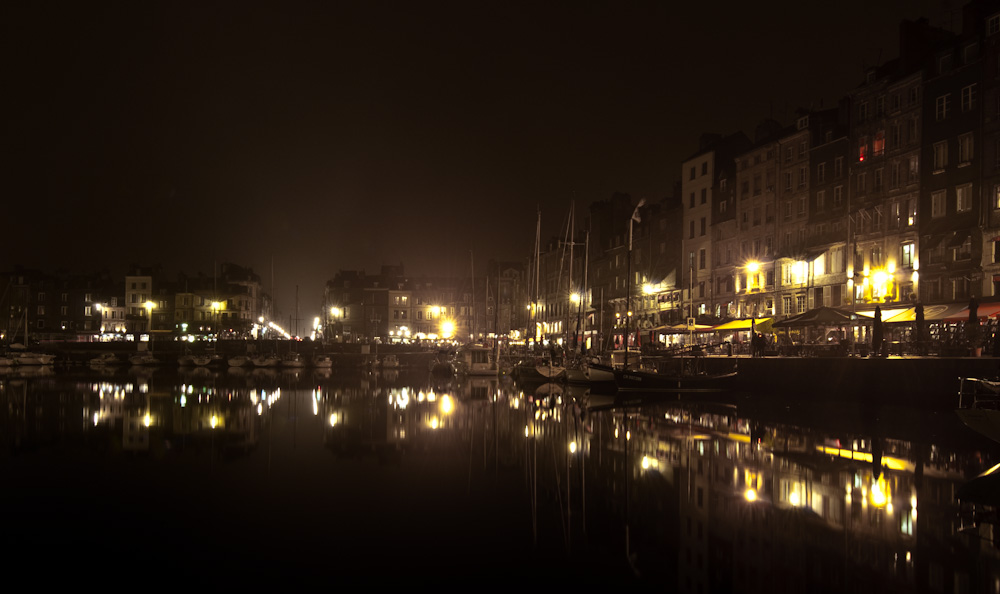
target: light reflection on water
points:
(397, 472)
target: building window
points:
(907, 255)
(802, 176)
(877, 180)
(993, 25)
(937, 204)
(838, 167)
(863, 112)
(41, 310)
(963, 198)
(704, 168)
(862, 182)
(941, 106)
(802, 205)
(894, 175)
(838, 195)
(820, 200)
(879, 145)
(996, 196)
(940, 155)
(691, 201)
(968, 97)
(704, 225)
(821, 173)
(692, 173)
(691, 230)
(863, 148)
(965, 148)
(914, 169)
(704, 195)
(701, 259)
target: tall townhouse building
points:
(718, 156)
(757, 172)
(985, 19)
(793, 281)
(885, 164)
(138, 295)
(827, 216)
(697, 175)
(608, 257)
(952, 197)
(658, 255)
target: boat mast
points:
(534, 303)
(628, 281)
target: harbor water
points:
(169, 477)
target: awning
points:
(820, 316)
(984, 311)
(762, 324)
(886, 313)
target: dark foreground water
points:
(228, 478)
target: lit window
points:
(940, 155)
(879, 144)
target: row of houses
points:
(47, 306)
(891, 197)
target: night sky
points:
(307, 138)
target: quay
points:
(903, 380)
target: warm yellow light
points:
(879, 497)
(436, 310)
(433, 424)
(215, 421)
(333, 419)
(572, 447)
(447, 329)
(750, 495)
(149, 305)
(575, 298)
(446, 406)
(147, 420)
(793, 498)
(753, 267)
(648, 289)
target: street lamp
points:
(150, 306)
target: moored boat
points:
(143, 359)
(646, 381)
(265, 361)
(322, 361)
(240, 361)
(979, 405)
(104, 360)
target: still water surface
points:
(249, 478)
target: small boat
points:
(322, 361)
(292, 360)
(240, 361)
(143, 359)
(476, 359)
(185, 360)
(202, 360)
(104, 360)
(29, 358)
(627, 380)
(979, 405)
(265, 361)
(389, 362)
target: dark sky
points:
(344, 135)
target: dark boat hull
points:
(642, 381)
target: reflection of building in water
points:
(760, 506)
